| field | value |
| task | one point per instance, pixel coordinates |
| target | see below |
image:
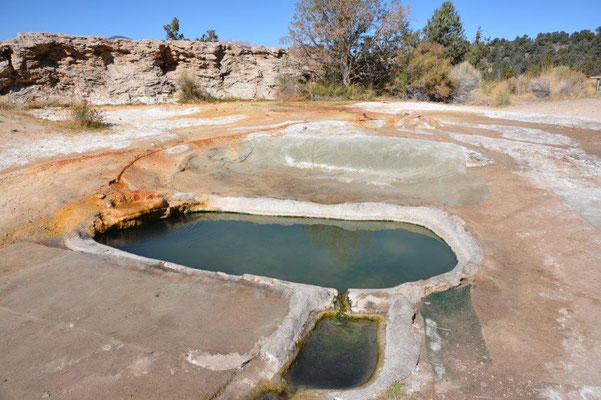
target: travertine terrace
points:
(515, 192)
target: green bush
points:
(507, 73)
(427, 75)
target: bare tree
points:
(333, 36)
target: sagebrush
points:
(466, 79)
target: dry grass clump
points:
(467, 79)
(84, 116)
(335, 91)
(32, 105)
(396, 391)
(541, 87)
(554, 83)
(189, 90)
(39, 104)
(565, 82)
(266, 390)
(289, 88)
(493, 94)
(292, 89)
(4, 106)
(480, 98)
(501, 94)
(520, 86)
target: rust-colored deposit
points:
(78, 325)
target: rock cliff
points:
(52, 67)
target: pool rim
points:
(309, 299)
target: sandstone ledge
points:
(55, 67)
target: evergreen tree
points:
(172, 30)
(478, 50)
(446, 29)
(209, 36)
(580, 51)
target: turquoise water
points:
(328, 253)
(337, 354)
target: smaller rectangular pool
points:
(339, 353)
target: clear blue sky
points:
(266, 21)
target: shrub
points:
(512, 84)
(481, 98)
(289, 88)
(507, 73)
(501, 94)
(522, 84)
(428, 73)
(335, 91)
(83, 115)
(466, 79)
(541, 87)
(189, 91)
(564, 81)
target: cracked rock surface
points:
(54, 67)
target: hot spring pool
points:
(328, 253)
(339, 353)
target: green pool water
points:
(337, 354)
(328, 253)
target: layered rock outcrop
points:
(52, 67)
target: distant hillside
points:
(580, 50)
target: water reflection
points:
(328, 253)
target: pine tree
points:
(209, 36)
(478, 50)
(446, 29)
(172, 30)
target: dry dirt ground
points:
(78, 325)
